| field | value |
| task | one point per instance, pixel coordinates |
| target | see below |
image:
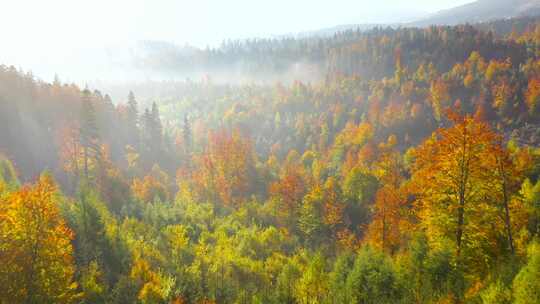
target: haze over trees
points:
(408, 173)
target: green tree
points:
(338, 293)
(286, 281)
(312, 286)
(88, 132)
(373, 279)
(527, 282)
(132, 121)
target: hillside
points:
(482, 11)
(406, 169)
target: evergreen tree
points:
(157, 129)
(132, 120)
(89, 134)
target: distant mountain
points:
(394, 18)
(475, 12)
(481, 11)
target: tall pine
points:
(88, 132)
(132, 121)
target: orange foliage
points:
(148, 189)
(532, 95)
(225, 168)
(70, 149)
(333, 206)
(290, 189)
(390, 219)
(37, 262)
(389, 222)
(450, 175)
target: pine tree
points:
(88, 132)
(157, 128)
(132, 120)
(146, 135)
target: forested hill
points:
(407, 171)
(369, 53)
(482, 11)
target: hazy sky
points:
(35, 33)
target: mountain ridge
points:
(482, 11)
(475, 12)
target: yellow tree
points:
(154, 287)
(532, 96)
(333, 205)
(70, 149)
(389, 218)
(506, 181)
(35, 247)
(449, 175)
(148, 189)
(439, 97)
(388, 222)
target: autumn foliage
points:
(36, 251)
(409, 173)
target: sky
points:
(41, 35)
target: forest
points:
(409, 172)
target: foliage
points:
(36, 251)
(362, 188)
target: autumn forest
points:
(408, 171)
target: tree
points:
(449, 176)
(440, 97)
(70, 150)
(157, 128)
(35, 247)
(154, 287)
(531, 196)
(359, 189)
(533, 96)
(429, 274)
(527, 282)
(388, 223)
(88, 133)
(372, 279)
(389, 217)
(92, 284)
(132, 121)
(151, 135)
(311, 217)
(337, 279)
(225, 170)
(186, 136)
(148, 189)
(289, 191)
(506, 182)
(311, 287)
(333, 204)
(285, 283)
(8, 175)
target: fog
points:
(100, 41)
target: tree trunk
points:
(506, 208)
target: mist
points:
(101, 42)
(204, 152)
